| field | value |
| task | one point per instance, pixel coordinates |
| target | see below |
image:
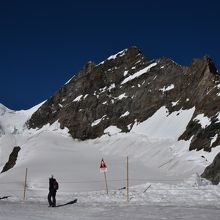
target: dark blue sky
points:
(43, 43)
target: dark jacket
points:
(51, 184)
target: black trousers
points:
(52, 198)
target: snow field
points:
(186, 200)
(156, 160)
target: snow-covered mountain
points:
(163, 116)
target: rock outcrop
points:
(12, 159)
(212, 172)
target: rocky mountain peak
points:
(126, 56)
(127, 88)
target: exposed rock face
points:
(12, 159)
(212, 172)
(129, 88)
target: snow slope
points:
(152, 146)
(156, 158)
(13, 130)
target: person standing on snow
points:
(53, 187)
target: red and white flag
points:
(103, 167)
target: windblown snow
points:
(139, 73)
(162, 171)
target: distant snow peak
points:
(139, 73)
(14, 122)
(202, 120)
(4, 109)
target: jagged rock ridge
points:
(129, 88)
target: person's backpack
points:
(55, 185)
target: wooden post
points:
(25, 184)
(127, 182)
(106, 185)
